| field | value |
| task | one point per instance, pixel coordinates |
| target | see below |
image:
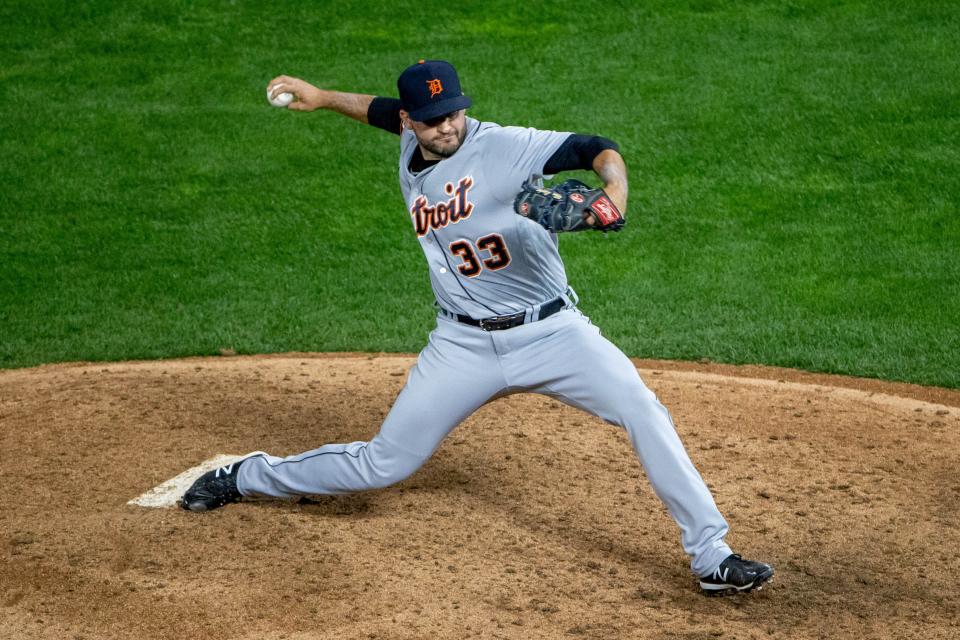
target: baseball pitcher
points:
(488, 229)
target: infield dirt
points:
(533, 520)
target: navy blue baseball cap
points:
(430, 89)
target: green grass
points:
(795, 176)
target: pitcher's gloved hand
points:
(568, 207)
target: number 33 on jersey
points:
(484, 259)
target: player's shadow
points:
(450, 478)
(446, 474)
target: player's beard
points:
(447, 149)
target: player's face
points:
(443, 135)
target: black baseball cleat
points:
(213, 489)
(736, 575)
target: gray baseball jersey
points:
(484, 259)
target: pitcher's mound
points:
(533, 520)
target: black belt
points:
(498, 323)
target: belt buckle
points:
(490, 324)
(495, 323)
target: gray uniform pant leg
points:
(578, 366)
(455, 374)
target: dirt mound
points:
(534, 520)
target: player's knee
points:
(389, 476)
(627, 390)
(635, 404)
(390, 465)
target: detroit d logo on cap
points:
(435, 87)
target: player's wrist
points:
(618, 195)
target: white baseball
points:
(282, 99)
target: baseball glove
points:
(565, 207)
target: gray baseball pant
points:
(463, 367)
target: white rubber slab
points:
(165, 495)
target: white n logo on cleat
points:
(723, 576)
(226, 470)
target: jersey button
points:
(442, 270)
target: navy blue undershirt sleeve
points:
(384, 113)
(578, 152)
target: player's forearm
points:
(612, 170)
(353, 105)
(310, 98)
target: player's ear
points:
(404, 120)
